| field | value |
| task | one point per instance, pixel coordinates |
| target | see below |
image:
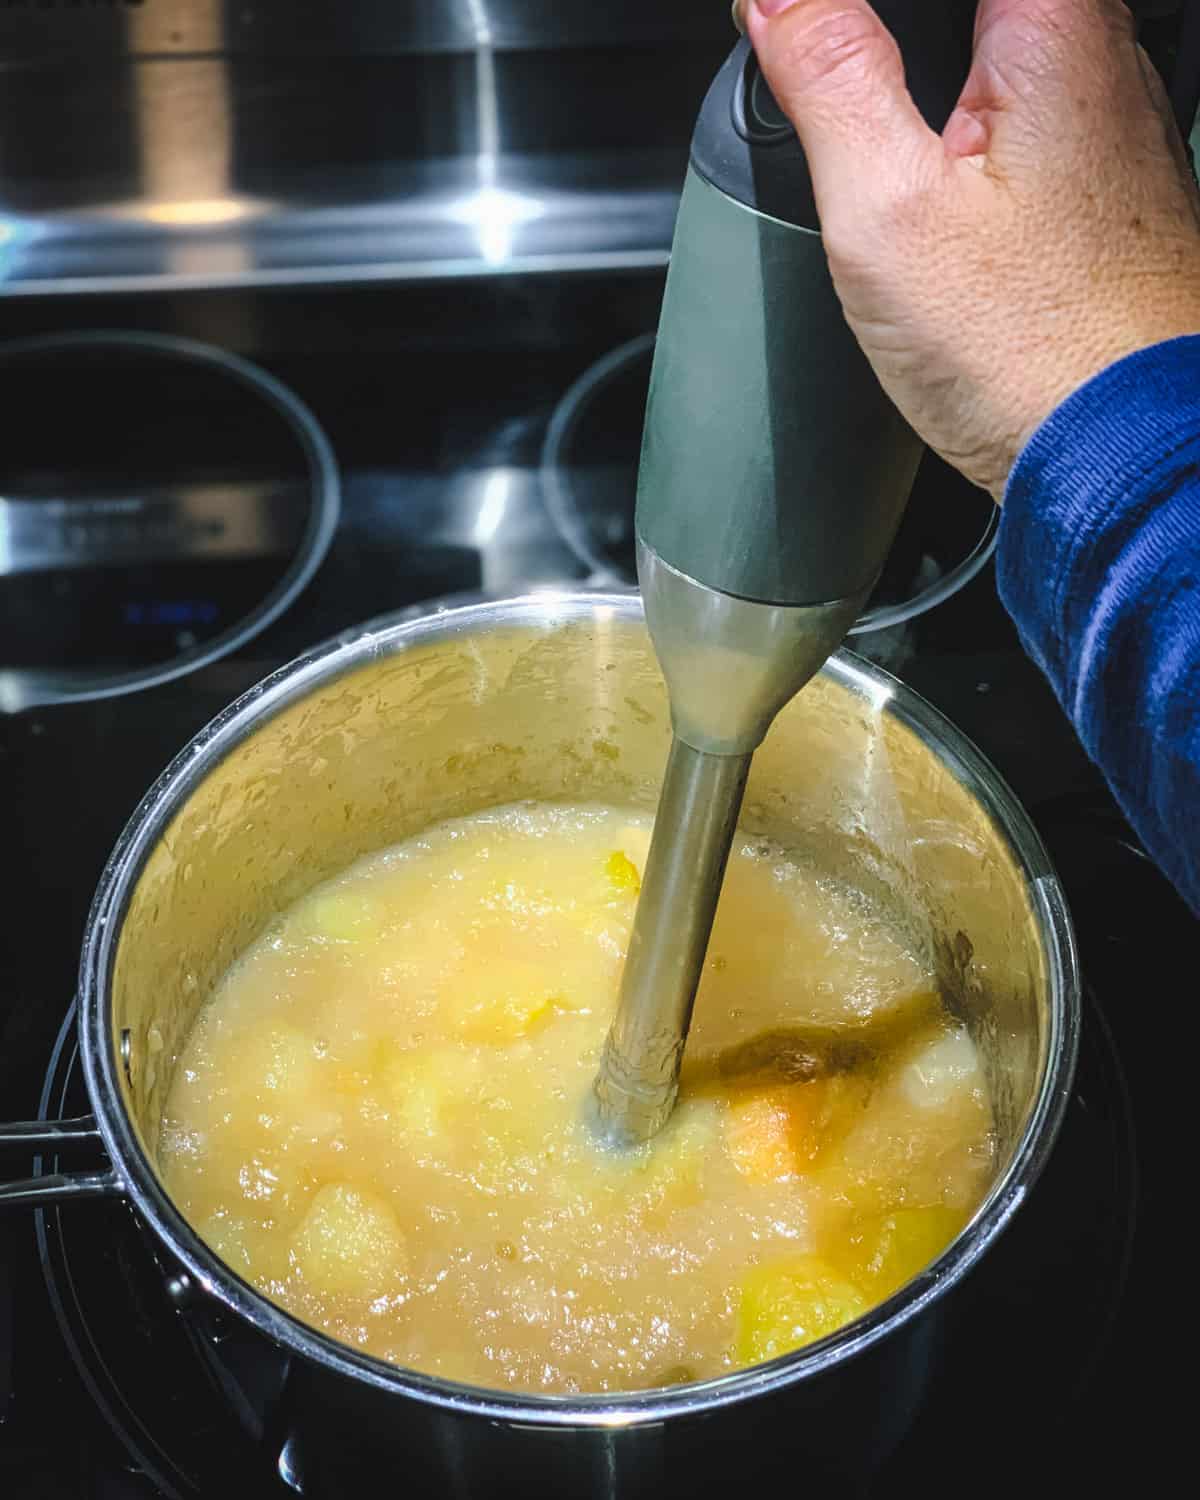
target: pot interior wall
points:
(451, 718)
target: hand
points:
(1052, 228)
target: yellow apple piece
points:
(256, 1254)
(513, 1006)
(346, 914)
(274, 1074)
(349, 1243)
(759, 1135)
(669, 1172)
(784, 1307)
(425, 1087)
(622, 874)
(774, 1133)
(885, 1251)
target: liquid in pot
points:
(380, 1118)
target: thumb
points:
(836, 72)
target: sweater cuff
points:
(1107, 444)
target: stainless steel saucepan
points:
(365, 741)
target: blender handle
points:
(774, 467)
(58, 1187)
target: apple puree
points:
(380, 1117)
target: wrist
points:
(1098, 466)
(1134, 413)
(1108, 342)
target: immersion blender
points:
(774, 474)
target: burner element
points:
(160, 503)
(589, 475)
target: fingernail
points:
(773, 7)
(737, 17)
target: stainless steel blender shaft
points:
(730, 664)
(697, 817)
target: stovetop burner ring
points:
(137, 526)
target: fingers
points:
(1041, 67)
(837, 74)
(1077, 22)
(1031, 50)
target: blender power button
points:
(757, 117)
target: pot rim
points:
(357, 647)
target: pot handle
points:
(59, 1187)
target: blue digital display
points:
(174, 612)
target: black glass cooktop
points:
(437, 404)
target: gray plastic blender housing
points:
(773, 466)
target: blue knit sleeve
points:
(1099, 564)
